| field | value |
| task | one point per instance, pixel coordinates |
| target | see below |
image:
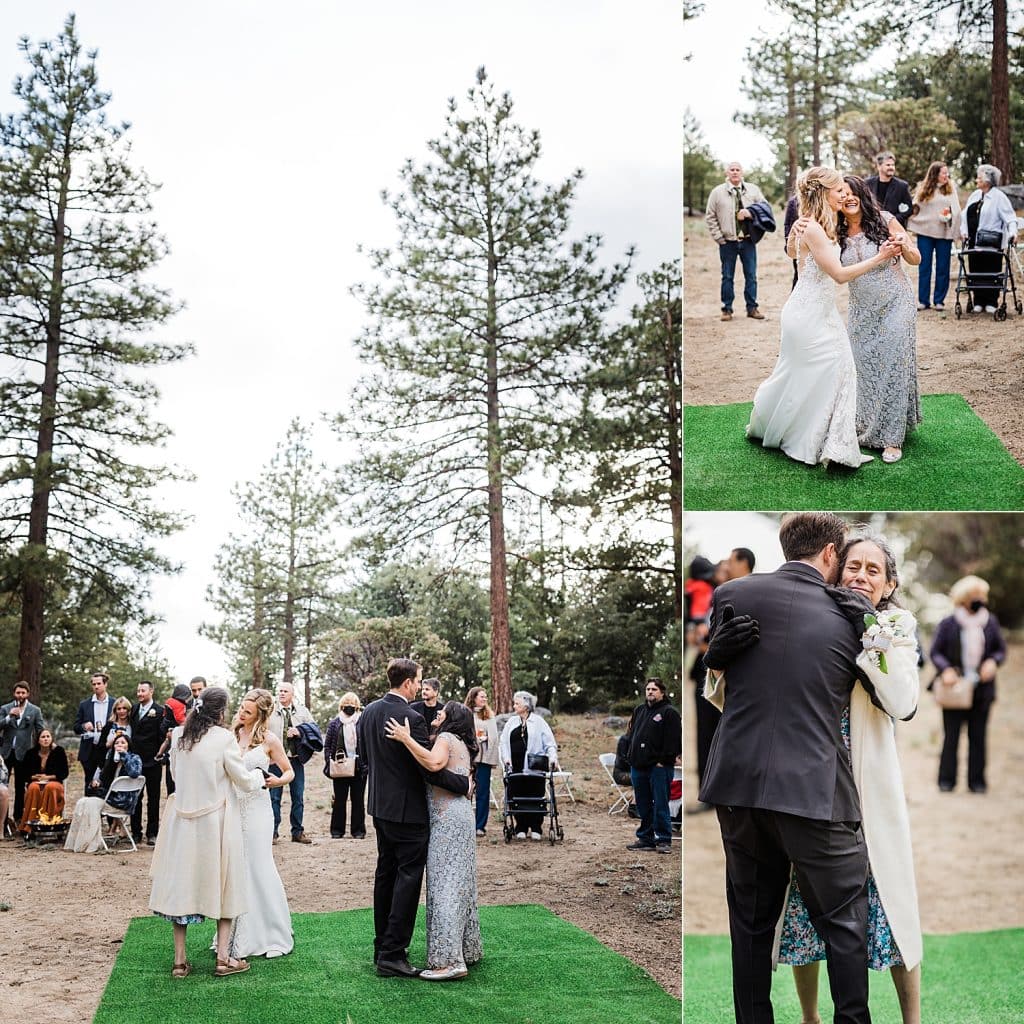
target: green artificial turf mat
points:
(537, 969)
(952, 462)
(968, 978)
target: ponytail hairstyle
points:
(264, 701)
(207, 711)
(812, 187)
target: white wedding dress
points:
(266, 929)
(808, 406)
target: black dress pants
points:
(953, 720)
(401, 858)
(343, 788)
(21, 776)
(831, 865)
(154, 776)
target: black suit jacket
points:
(146, 734)
(395, 789)
(898, 195)
(779, 743)
(87, 746)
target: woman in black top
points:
(47, 766)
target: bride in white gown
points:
(266, 930)
(808, 406)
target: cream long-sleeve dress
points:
(879, 781)
(199, 861)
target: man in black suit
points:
(779, 774)
(93, 714)
(146, 740)
(397, 801)
(893, 193)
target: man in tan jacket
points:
(728, 220)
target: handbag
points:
(341, 766)
(958, 697)
(537, 762)
(987, 239)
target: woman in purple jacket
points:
(967, 644)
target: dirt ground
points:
(724, 362)
(66, 914)
(963, 839)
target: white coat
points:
(539, 740)
(199, 861)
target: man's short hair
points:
(804, 534)
(145, 682)
(400, 669)
(197, 679)
(745, 555)
(434, 684)
(22, 685)
(880, 158)
(99, 675)
(734, 163)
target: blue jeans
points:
(650, 788)
(942, 249)
(747, 253)
(483, 794)
(295, 789)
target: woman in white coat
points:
(198, 867)
(527, 736)
(987, 223)
(894, 929)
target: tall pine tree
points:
(76, 311)
(480, 316)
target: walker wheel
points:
(551, 836)
(958, 310)
(508, 834)
(1020, 308)
(1000, 313)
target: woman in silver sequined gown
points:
(882, 324)
(453, 926)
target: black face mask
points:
(349, 711)
(976, 605)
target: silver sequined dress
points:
(883, 334)
(807, 407)
(453, 927)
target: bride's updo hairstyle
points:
(812, 187)
(207, 711)
(892, 578)
(264, 701)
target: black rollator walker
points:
(999, 278)
(544, 804)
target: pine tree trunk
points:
(33, 590)
(675, 461)
(816, 72)
(257, 625)
(289, 609)
(307, 668)
(1002, 154)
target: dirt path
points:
(724, 362)
(68, 912)
(973, 840)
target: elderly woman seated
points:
(47, 766)
(84, 835)
(526, 741)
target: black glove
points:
(735, 633)
(853, 604)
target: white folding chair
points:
(120, 830)
(622, 796)
(564, 778)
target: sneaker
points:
(726, 314)
(480, 832)
(302, 838)
(663, 848)
(520, 835)
(940, 307)
(921, 306)
(640, 846)
(990, 309)
(755, 314)
(536, 835)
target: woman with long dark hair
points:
(882, 322)
(453, 927)
(198, 867)
(47, 768)
(935, 221)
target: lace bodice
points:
(254, 757)
(459, 764)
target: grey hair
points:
(883, 156)
(525, 698)
(992, 173)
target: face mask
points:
(348, 711)
(976, 605)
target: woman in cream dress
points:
(198, 867)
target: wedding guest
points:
(5, 798)
(487, 755)
(175, 708)
(656, 743)
(146, 739)
(47, 765)
(935, 221)
(93, 714)
(86, 820)
(198, 867)
(119, 723)
(526, 737)
(892, 193)
(967, 645)
(284, 723)
(986, 224)
(20, 724)
(341, 739)
(430, 705)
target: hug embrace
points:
(811, 666)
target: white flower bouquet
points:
(882, 631)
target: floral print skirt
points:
(801, 944)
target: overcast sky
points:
(273, 127)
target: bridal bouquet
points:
(881, 632)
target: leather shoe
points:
(726, 315)
(755, 314)
(302, 838)
(397, 969)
